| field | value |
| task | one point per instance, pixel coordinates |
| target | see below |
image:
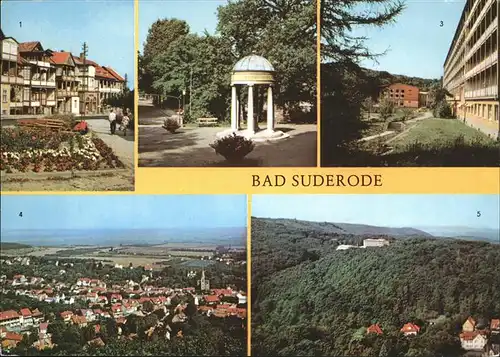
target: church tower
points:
(203, 282)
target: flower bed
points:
(42, 150)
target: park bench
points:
(53, 124)
(207, 121)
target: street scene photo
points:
(67, 103)
(123, 275)
(410, 83)
(375, 275)
(227, 84)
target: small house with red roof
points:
(410, 329)
(10, 319)
(473, 340)
(375, 328)
(66, 315)
(211, 299)
(495, 326)
(67, 83)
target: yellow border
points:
(249, 275)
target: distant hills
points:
(225, 235)
(386, 78)
(466, 233)
(9, 246)
(348, 228)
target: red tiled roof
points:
(471, 335)
(10, 314)
(224, 292)
(13, 336)
(211, 298)
(495, 324)
(78, 319)
(114, 74)
(409, 327)
(375, 328)
(25, 312)
(44, 325)
(36, 313)
(66, 313)
(60, 57)
(28, 46)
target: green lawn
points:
(439, 131)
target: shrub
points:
(442, 110)
(171, 125)
(70, 119)
(386, 108)
(233, 147)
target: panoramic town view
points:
(410, 83)
(375, 275)
(67, 97)
(227, 84)
(123, 275)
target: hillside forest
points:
(310, 299)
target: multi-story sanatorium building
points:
(38, 81)
(471, 66)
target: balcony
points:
(483, 65)
(16, 104)
(11, 57)
(109, 90)
(41, 64)
(41, 83)
(50, 103)
(69, 78)
(488, 92)
(12, 80)
(66, 93)
(34, 103)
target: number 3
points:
(441, 24)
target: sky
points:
(123, 211)
(201, 15)
(106, 26)
(416, 44)
(384, 210)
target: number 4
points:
(20, 214)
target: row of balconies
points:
(489, 31)
(38, 103)
(41, 64)
(479, 19)
(483, 65)
(491, 91)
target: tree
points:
(162, 34)
(344, 84)
(368, 106)
(386, 108)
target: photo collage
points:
(250, 178)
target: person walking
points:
(112, 121)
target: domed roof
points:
(253, 63)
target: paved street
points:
(190, 146)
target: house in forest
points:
(375, 328)
(495, 326)
(410, 329)
(473, 340)
(469, 325)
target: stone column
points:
(234, 108)
(270, 109)
(250, 117)
(238, 122)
